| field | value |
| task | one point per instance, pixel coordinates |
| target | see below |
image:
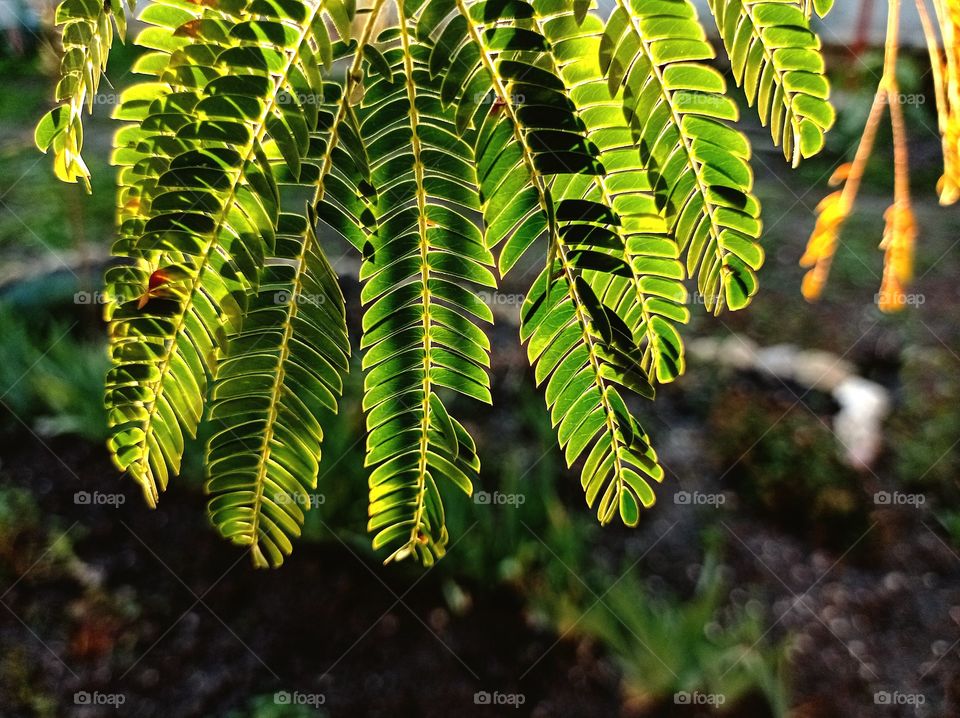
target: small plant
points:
(693, 651)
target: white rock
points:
(821, 370)
(859, 423)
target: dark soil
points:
(153, 606)
(158, 609)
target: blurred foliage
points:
(924, 431)
(666, 645)
(793, 471)
(522, 529)
(49, 380)
(69, 218)
(31, 543)
(22, 689)
(925, 427)
(19, 517)
(853, 94)
(516, 520)
(30, 95)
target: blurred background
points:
(803, 558)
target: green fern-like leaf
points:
(86, 31)
(679, 113)
(280, 371)
(420, 337)
(576, 342)
(207, 214)
(467, 135)
(776, 58)
(617, 206)
(577, 350)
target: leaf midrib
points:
(416, 149)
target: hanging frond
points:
(582, 346)
(207, 216)
(615, 211)
(581, 350)
(776, 59)
(420, 340)
(899, 235)
(86, 33)
(281, 370)
(678, 112)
